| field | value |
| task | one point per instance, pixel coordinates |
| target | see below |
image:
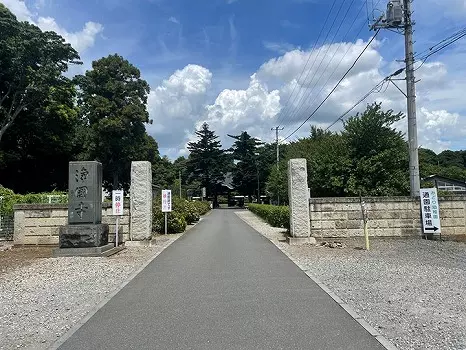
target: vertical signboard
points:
(117, 202)
(430, 211)
(166, 201)
(117, 206)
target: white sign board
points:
(117, 202)
(430, 210)
(166, 201)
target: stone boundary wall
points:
(388, 216)
(38, 224)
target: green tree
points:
(206, 161)
(112, 100)
(38, 146)
(32, 64)
(378, 153)
(452, 158)
(277, 183)
(163, 173)
(328, 162)
(246, 171)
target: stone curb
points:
(60, 341)
(379, 337)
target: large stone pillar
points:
(85, 235)
(300, 224)
(141, 201)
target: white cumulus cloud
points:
(80, 40)
(176, 105)
(238, 110)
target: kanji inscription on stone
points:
(85, 193)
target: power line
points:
(334, 70)
(302, 100)
(310, 53)
(309, 58)
(336, 86)
(376, 88)
(456, 36)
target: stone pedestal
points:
(141, 201)
(83, 236)
(300, 225)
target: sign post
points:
(117, 208)
(166, 205)
(430, 211)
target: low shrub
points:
(276, 216)
(183, 213)
(202, 207)
(8, 199)
(176, 222)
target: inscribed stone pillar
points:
(141, 201)
(85, 228)
(300, 225)
(85, 193)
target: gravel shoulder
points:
(412, 291)
(42, 298)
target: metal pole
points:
(166, 217)
(411, 101)
(180, 182)
(277, 128)
(116, 230)
(278, 148)
(258, 188)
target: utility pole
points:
(277, 129)
(399, 17)
(411, 92)
(179, 174)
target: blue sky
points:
(243, 64)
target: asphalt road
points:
(221, 286)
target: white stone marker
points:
(300, 224)
(141, 201)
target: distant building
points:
(446, 184)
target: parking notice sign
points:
(166, 201)
(117, 202)
(430, 211)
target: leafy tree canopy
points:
(32, 64)
(112, 101)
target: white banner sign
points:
(430, 210)
(117, 202)
(166, 201)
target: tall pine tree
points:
(206, 161)
(246, 171)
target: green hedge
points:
(183, 213)
(9, 199)
(276, 216)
